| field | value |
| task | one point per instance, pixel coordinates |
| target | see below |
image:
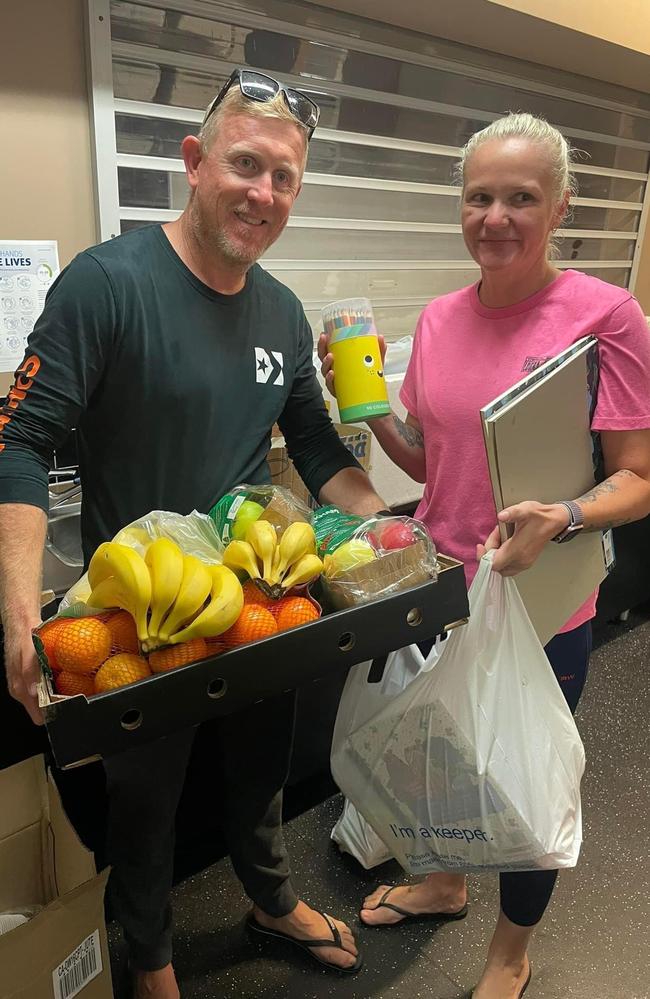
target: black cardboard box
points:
(82, 729)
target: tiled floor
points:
(594, 943)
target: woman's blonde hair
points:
(520, 125)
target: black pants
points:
(251, 757)
(526, 894)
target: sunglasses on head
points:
(259, 87)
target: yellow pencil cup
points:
(358, 369)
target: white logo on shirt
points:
(266, 366)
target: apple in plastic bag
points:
(348, 556)
(373, 540)
(247, 514)
(397, 535)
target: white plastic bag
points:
(477, 764)
(398, 355)
(353, 835)
(359, 701)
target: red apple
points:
(397, 535)
(373, 540)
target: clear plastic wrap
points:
(384, 555)
(243, 505)
(194, 533)
(333, 527)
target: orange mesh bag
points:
(253, 623)
(82, 646)
(47, 634)
(294, 611)
(123, 633)
(74, 683)
(174, 656)
(120, 670)
(254, 595)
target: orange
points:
(48, 635)
(74, 683)
(120, 670)
(253, 595)
(83, 645)
(178, 655)
(295, 611)
(253, 623)
(123, 633)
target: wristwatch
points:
(575, 525)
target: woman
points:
(469, 347)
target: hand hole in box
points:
(217, 688)
(347, 641)
(131, 719)
(414, 617)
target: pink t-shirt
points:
(464, 355)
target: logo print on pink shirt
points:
(534, 362)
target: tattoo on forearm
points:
(609, 525)
(605, 488)
(412, 436)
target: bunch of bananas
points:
(278, 565)
(172, 597)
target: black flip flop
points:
(523, 988)
(307, 944)
(412, 917)
(527, 982)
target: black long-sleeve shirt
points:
(173, 387)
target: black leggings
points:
(525, 894)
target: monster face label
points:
(358, 369)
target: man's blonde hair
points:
(234, 102)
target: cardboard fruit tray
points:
(82, 729)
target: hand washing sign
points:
(27, 269)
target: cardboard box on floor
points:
(283, 473)
(61, 952)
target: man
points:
(174, 353)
